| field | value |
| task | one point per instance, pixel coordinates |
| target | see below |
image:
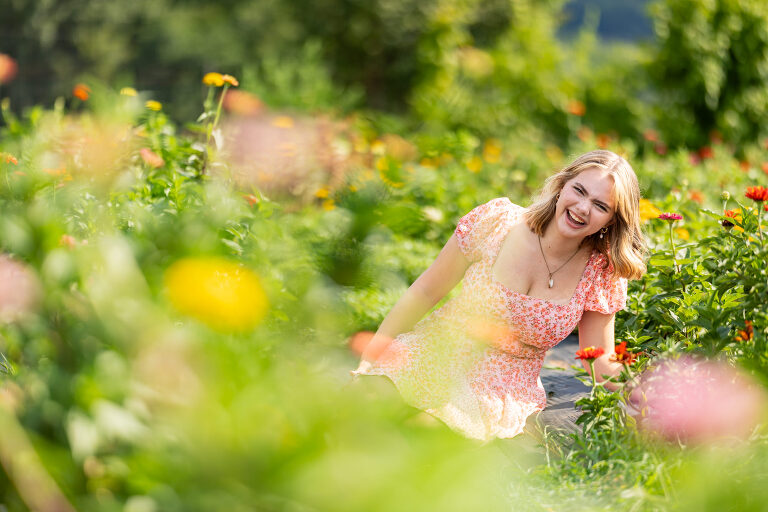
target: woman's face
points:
(586, 204)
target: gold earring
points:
(602, 232)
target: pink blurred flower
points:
(8, 68)
(697, 401)
(151, 158)
(19, 289)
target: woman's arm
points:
(431, 286)
(596, 330)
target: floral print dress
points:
(474, 363)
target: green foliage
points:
(709, 68)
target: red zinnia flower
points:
(622, 355)
(706, 152)
(730, 214)
(81, 92)
(757, 193)
(746, 334)
(671, 217)
(589, 353)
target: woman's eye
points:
(602, 208)
(579, 190)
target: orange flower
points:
(576, 108)
(696, 196)
(151, 158)
(8, 68)
(229, 79)
(81, 92)
(651, 135)
(746, 334)
(603, 140)
(67, 241)
(242, 103)
(764, 167)
(589, 353)
(706, 152)
(9, 158)
(758, 194)
(621, 354)
(252, 199)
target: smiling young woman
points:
(530, 276)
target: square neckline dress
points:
(474, 363)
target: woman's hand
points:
(362, 368)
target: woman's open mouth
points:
(574, 219)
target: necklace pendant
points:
(551, 282)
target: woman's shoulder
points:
(504, 204)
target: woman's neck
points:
(558, 246)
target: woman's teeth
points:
(575, 218)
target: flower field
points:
(182, 298)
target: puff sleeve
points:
(606, 294)
(474, 228)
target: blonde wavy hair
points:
(624, 243)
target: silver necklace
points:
(552, 272)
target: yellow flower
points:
(475, 164)
(229, 79)
(214, 79)
(282, 122)
(154, 105)
(428, 162)
(492, 151)
(218, 292)
(382, 163)
(648, 211)
(322, 193)
(128, 91)
(378, 147)
(329, 204)
(683, 233)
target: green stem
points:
(592, 373)
(212, 126)
(674, 250)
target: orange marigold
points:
(229, 79)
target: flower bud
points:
(725, 195)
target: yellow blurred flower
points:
(683, 233)
(378, 147)
(382, 163)
(648, 211)
(329, 204)
(283, 122)
(128, 91)
(154, 105)
(214, 79)
(475, 164)
(322, 193)
(218, 292)
(492, 151)
(428, 162)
